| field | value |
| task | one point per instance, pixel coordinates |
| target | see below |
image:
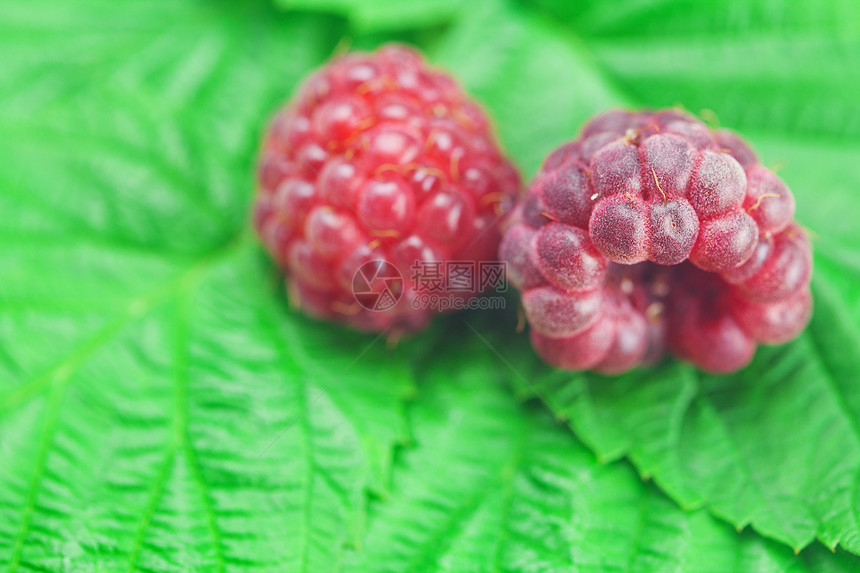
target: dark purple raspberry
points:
(379, 157)
(649, 232)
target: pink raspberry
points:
(651, 231)
(383, 161)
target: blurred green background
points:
(162, 408)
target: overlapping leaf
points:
(491, 487)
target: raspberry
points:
(650, 232)
(379, 160)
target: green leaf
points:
(689, 18)
(490, 487)
(778, 65)
(160, 407)
(205, 426)
(367, 16)
(537, 84)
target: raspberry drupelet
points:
(651, 231)
(379, 157)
